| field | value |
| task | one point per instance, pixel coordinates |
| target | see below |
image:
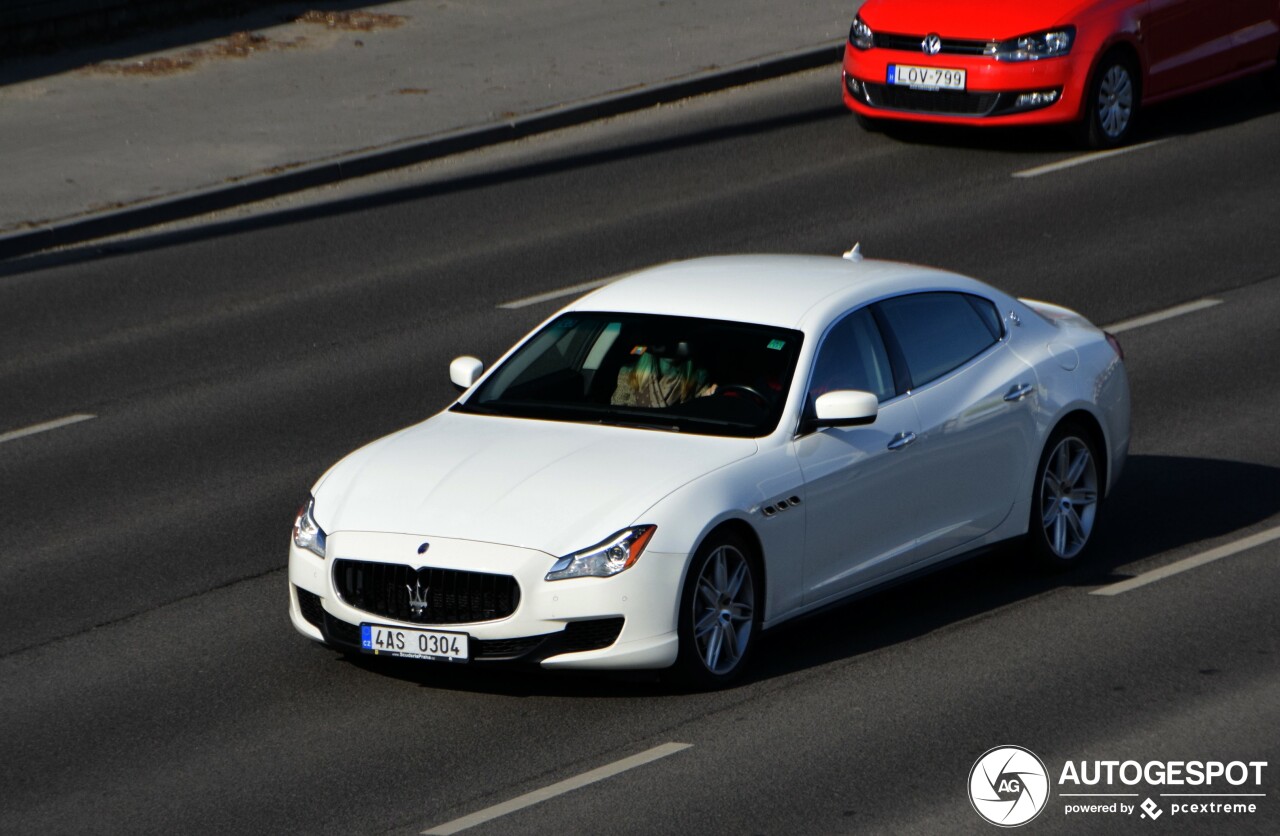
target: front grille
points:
(949, 102)
(310, 606)
(451, 596)
(913, 43)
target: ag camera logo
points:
(1008, 786)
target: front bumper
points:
(991, 90)
(626, 621)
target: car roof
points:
(790, 291)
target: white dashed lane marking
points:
(567, 785)
(1084, 159)
(14, 435)
(1190, 563)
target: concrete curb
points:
(261, 187)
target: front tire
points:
(868, 124)
(719, 619)
(1065, 500)
(1111, 103)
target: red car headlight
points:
(1052, 44)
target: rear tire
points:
(719, 619)
(1065, 499)
(1111, 103)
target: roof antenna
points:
(855, 254)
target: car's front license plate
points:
(926, 78)
(418, 644)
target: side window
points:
(853, 356)
(938, 332)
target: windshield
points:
(642, 370)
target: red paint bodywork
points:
(1180, 46)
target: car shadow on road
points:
(1162, 504)
(1219, 107)
(611, 151)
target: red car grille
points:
(912, 43)
(949, 102)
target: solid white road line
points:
(1084, 159)
(568, 785)
(556, 294)
(1161, 316)
(1190, 562)
(44, 428)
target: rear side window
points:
(988, 314)
(939, 332)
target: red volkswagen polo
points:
(1018, 62)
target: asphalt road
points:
(150, 681)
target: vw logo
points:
(1008, 786)
(931, 44)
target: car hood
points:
(552, 486)
(978, 20)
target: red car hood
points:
(978, 20)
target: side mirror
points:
(845, 408)
(464, 371)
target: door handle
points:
(1019, 392)
(902, 440)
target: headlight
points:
(610, 557)
(860, 34)
(307, 534)
(1034, 47)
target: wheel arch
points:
(1088, 422)
(1121, 44)
(755, 548)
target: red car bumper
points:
(991, 94)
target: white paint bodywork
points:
(510, 496)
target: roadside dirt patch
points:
(244, 44)
(162, 65)
(237, 45)
(357, 21)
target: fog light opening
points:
(1038, 98)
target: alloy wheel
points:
(1115, 101)
(1069, 497)
(723, 609)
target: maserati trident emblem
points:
(417, 597)
(931, 44)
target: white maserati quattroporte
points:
(702, 450)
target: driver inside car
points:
(659, 378)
